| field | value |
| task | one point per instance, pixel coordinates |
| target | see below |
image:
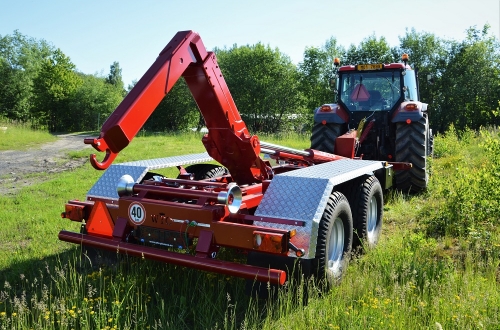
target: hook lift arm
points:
(228, 140)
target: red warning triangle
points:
(359, 94)
(100, 222)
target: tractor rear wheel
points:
(430, 146)
(412, 142)
(366, 200)
(206, 171)
(323, 136)
(334, 243)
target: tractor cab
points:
(376, 87)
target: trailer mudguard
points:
(303, 194)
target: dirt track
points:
(17, 167)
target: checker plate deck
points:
(105, 187)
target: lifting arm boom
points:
(228, 140)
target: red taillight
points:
(74, 212)
(326, 108)
(408, 121)
(411, 107)
(269, 242)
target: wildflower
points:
(2, 314)
(14, 314)
(110, 320)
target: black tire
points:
(206, 171)
(430, 146)
(411, 147)
(334, 242)
(366, 200)
(323, 136)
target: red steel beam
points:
(274, 276)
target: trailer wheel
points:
(334, 239)
(323, 136)
(206, 171)
(412, 147)
(366, 199)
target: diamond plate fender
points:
(302, 195)
(105, 187)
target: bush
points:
(466, 187)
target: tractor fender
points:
(409, 110)
(331, 114)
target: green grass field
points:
(15, 137)
(437, 261)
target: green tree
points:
(115, 77)
(470, 82)
(265, 86)
(316, 72)
(370, 50)
(92, 102)
(20, 61)
(176, 112)
(428, 54)
(54, 87)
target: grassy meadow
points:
(19, 137)
(436, 263)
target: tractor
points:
(379, 106)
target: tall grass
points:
(412, 280)
(21, 137)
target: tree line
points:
(458, 79)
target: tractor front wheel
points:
(334, 239)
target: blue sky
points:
(95, 33)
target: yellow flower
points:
(14, 314)
(2, 314)
(110, 320)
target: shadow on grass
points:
(137, 293)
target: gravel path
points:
(17, 167)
